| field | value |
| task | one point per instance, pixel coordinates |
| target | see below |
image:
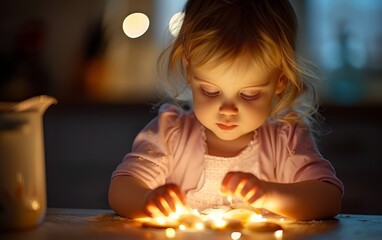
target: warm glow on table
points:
(105, 224)
(238, 221)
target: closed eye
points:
(250, 97)
(210, 92)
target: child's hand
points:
(244, 185)
(164, 200)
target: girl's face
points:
(233, 99)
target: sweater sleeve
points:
(149, 160)
(302, 159)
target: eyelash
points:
(249, 97)
(210, 94)
(244, 96)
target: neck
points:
(223, 148)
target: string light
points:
(278, 234)
(235, 235)
(170, 233)
(186, 219)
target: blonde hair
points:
(220, 30)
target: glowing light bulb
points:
(216, 215)
(278, 234)
(256, 218)
(182, 227)
(174, 215)
(229, 199)
(219, 223)
(199, 226)
(135, 25)
(160, 220)
(235, 235)
(170, 233)
(175, 23)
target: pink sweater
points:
(171, 149)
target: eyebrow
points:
(200, 79)
(250, 86)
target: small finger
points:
(165, 206)
(248, 190)
(248, 195)
(176, 193)
(234, 184)
(225, 188)
(240, 186)
(159, 203)
(170, 202)
(254, 197)
(153, 211)
(226, 180)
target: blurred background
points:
(98, 58)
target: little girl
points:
(249, 132)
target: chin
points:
(233, 135)
(228, 136)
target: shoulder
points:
(296, 156)
(283, 129)
(174, 116)
(171, 123)
(293, 136)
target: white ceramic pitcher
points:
(22, 163)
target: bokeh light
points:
(175, 23)
(170, 233)
(135, 25)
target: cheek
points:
(253, 117)
(258, 110)
(266, 101)
(200, 100)
(197, 101)
(201, 106)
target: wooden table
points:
(73, 224)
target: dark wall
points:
(354, 147)
(84, 144)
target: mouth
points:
(226, 127)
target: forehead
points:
(244, 71)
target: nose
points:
(228, 109)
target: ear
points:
(281, 83)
